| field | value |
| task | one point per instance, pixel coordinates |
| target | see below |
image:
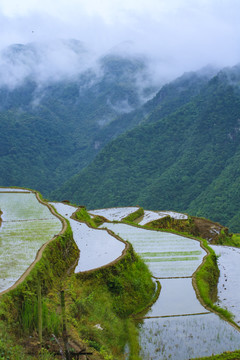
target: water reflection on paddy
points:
(170, 330)
(167, 255)
(229, 280)
(177, 297)
(186, 337)
(27, 225)
(97, 247)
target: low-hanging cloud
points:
(175, 36)
(44, 62)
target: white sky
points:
(176, 34)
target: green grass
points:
(134, 216)
(235, 355)
(107, 297)
(233, 240)
(82, 215)
(11, 350)
(171, 253)
(189, 258)
(207, 280)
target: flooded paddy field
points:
(229, 280)
(177, 297)
(150, 215)
(26, 226)
(97, 247)
(166, 254)
(177, 326)
(186, 337)
(114, 214)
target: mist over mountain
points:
(183, 155)
(53, 111)
(103, 125)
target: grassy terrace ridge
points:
(134, 216)
(99, 304)
(235, 355)
(82, 215)
(18, 314)
(97, 309)
(205, 279)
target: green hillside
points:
(50, 130)
(187, 161)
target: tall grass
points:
(28, 319)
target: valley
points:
(172, 145)
(151, 271)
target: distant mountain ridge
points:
(75, 114)
(50, 127)
(184, 154)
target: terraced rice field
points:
(27, 225)
(186, 337)
(155, 215)
(177, 326)
(97, 247)
(229, 281)
(2, 189)
(166, 254)
(114, 214)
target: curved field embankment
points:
(53, 261)
(99, 248)
(118, 238)
(205, 282)
(39, 252)
(229, 280)
(178, 304)
(105, 296)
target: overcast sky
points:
(178, 35)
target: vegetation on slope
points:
(97, 305)
(82, 215)
(107, 297)
(58, 128)
(206, 229)
(134, 216)
(235, 355)
(186, 161)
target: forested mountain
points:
(184, 154)
(179, 150)
(52, 121)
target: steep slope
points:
(51, 121)
(181, 162)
